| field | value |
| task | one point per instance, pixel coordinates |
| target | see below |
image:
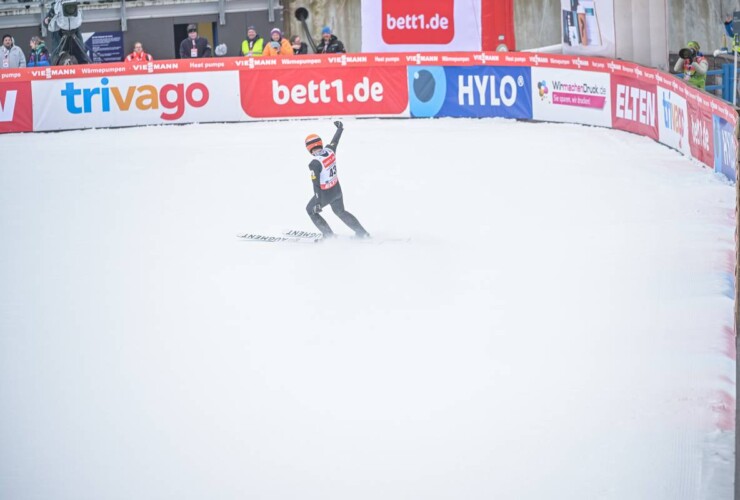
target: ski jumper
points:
(327, 190)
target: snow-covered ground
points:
(552, 329)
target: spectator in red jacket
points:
(138, 55)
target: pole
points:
(734, 72)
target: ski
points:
(296, 233)
(316, 237)
(262, 238)
(300, 236)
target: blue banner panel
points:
(476, 91)
(725, 149)
(482, 91)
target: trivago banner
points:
(114, 101)
(589, 91)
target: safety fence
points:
(547, 87)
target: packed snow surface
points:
(538, 315)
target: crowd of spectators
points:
(194, 46)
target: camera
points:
(69, 8)
(686, 53)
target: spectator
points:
(728, 27)
(138, 55)
(299, 47)
(194, 46)
(329, 43)
(11, 56)
(254, 44)
(693, 65)
(278, 45)
(39, 55)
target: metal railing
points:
(726, 85)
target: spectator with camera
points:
(138, 55)
(693, 64)
(278, 45)
(39, 55)
(11, 56)
(254, 45)
(194, 46)
(329, 43)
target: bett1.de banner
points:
(555, 88)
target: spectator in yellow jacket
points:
(253, 45)
(278, 46)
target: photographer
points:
(693, 65)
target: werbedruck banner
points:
(431, 25)
(566, 95)
(588, 27)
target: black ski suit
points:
(330, 192)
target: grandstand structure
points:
(159, 24)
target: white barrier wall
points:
(574, 89)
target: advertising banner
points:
(325, 92)
(575, 89)
(701, 133)
(475, 91)
(16, 112)
(431, 25)
(562, 95)
(725, 147)
(588, 27)
(673, 123)
(104, 46)
(634, 106)
(118, 101)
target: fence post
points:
(727, 81)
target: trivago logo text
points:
(171, 98)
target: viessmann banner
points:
(590, 91)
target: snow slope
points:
(553, 328)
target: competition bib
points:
(328, 178)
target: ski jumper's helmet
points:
(313, 141)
